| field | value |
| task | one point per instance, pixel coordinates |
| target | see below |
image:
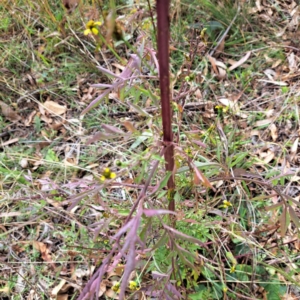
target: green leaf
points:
(16, 175)
(164, 182)
(274, 291)
(51, 156)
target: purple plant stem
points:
(163, 37)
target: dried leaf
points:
(274, 132)
(280, 83)
(29, 118)
(55, 108)
(8, 112)
(57, 288)
(294, 149)
(129, 126)
(263, 122)
(43, 250)
(219, 68)
(111, 294)
(200, 178)
(220, 48)
(269, 157)
(62, 297)
(240, 62)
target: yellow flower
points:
(116, 287)
(225, 204)
(221, 108)
(132, 285)
(91, 27)
(107, 174)
(232, 269)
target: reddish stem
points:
(163, 36)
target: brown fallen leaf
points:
(54, 108)
(240, 62)
(57, 288)
(29, 119)
(294, 149)
(263, 122)
(44, 250)
(129, 126)
(218, 67)
(62, 297)
(274, 132)
(199, 178)
(8, 112)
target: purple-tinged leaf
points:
(108, 72)
(154, 58)
(101, 85)
(90, 288)
(75, 199)
(124, 228)
(132, 236)
(157, 275)
(112, 129)
(199, 143)
(100, 136)
(273, 206)
(156, 212)
(95, 102)
(171, 288)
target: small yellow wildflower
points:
(225, 288)
(232, 269)
(91, 27)
(226, 204)
(221, 108)
(132, 285)
(107, 174)
(116, 287)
